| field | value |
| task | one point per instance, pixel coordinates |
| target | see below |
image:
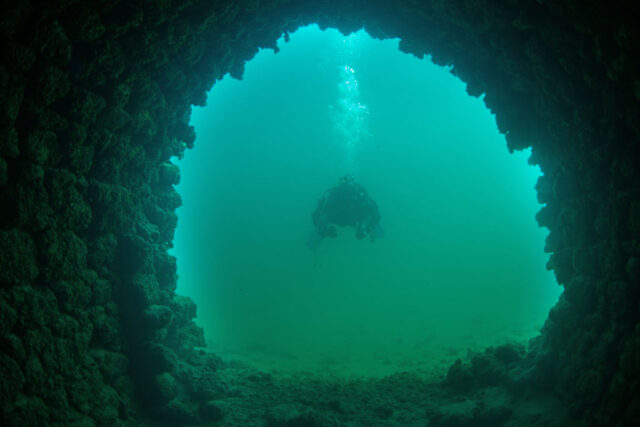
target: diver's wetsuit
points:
(346, 204)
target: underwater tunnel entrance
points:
(461, 265)
(98, 98)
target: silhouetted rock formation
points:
(96, 99)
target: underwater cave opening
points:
(461, 265)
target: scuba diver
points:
(346, 204)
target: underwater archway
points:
(461, 267)
(96, 101)
(532, 98)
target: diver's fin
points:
(314, 240)
(376, 233)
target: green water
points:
(461, 265)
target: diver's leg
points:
(314, 240)
(376, 233)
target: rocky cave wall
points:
(96, 100)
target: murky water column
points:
(460, 267)
(349, 114)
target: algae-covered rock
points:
(40, 144)
(181, 412)
(145, 291)
(106, 327)
(134, 254)
(509, 353)
(106, 63)
(166, 270)
(165, 387)
(108, 406)
(12, 378)
(185, 338)
(12, 344)
(9, 146)
(203, 383)
(633, 269)
(169, 174)
(66, 199)
(17, 257)
(32, 204)
(490, 407)
(87, 106)
(111, 364)
(213, 410)
(55, 45)
(169, 199)
(159, 358)
(53, 85)
(63, 255)
(81, 158)
(157, 316)
(184, 309)
(288, 415)
(459, 377)
(4, 172)
(34, 374)
(101, 291)
(116, 118)
(27, 410)
(13, 103)
(102, 254)
(165, 219)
